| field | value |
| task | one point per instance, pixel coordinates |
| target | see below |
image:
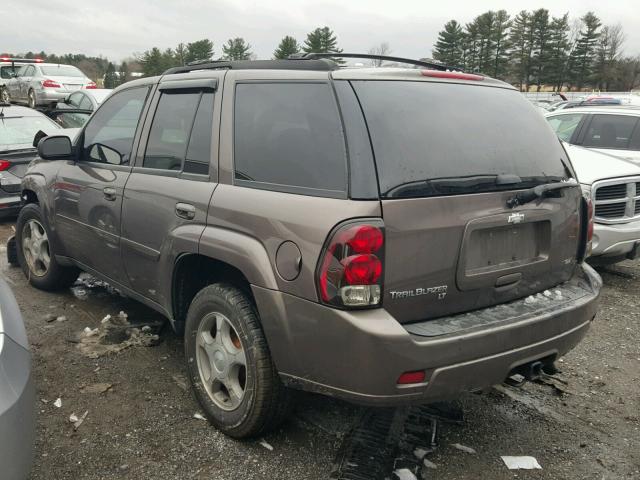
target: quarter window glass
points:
(29, 72)
(199, 151)
(170, 130)
(74, 100)
(85, 103)
(565, 125)
(288, 135)
(610, 131)
(114, 126)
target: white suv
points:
(613, 185)
(613, 130)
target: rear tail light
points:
(451, 75)
(4, 165)
(412, 377)
(50, 84)
(90, 85)
(350, 270)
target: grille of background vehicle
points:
(617, 201)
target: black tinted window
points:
(610, 131)
(199, 151)
(114, 126)
(170, 130)
(427, 136)
(289, 134)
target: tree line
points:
(156, 61)
(534, 50)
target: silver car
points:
(75, 110)
(17, 392)
(42, 84)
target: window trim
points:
(592, 117)
(276, 187)
(79, 147)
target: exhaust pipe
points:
(532, 371)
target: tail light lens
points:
(350, 270)
(90, 85)
(4, 165)
(50, 84)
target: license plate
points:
(72, 87)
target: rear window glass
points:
(437, 138)
(61, 71)
(288, 137)
(6, 71)
(16, 131)
(610, 131)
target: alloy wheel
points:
(221, 360)
(35, 247)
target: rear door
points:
(168, 192)
(88, 192)
(449, 156)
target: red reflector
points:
(90, 85)
(411, 377)
(4, 165)
(453, 75)
(50, 84)
(362, 269)
(365, 239)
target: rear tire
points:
(240, 399)
(32, 101)
(36, 254)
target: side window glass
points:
(85, 103)
(199, 151)
(29, 71)
(170, 130)
(610, 131)
(74, 100)
(565, 125)
(288, 137)
(114, 127)
(635, 140)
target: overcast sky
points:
(119, 28)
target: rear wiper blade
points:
(539, 191)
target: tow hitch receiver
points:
(529, 371)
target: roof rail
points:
(325, 65)
(419, 63)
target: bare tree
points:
(381, 49)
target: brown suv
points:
(383, 235)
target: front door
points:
(167, 195)
(88, 191)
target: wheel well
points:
(192, 273)
(29, 196)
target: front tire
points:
(36, 254)
(4, 95)
(230, 367)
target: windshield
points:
(19, 131)
(61, 71)
(444, 139)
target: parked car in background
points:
(8, 69)
(75, 109)
(590, 101)
(613, 185)
(17, 392)
(42, 84)
(18, 127)
(609, 129)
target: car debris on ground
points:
(520, 463)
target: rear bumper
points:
(10, 205)
(47, 96)
(616, 239)
(359, 355)
(17, 410)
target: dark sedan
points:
(18, 127)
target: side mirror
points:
(56, 147)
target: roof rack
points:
(418, 63)
(304, 64)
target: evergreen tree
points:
(557, 52)
(155, 62)
(521, 40)
(449, 46)
(110, 77)
(500, 40)
(540, 31)
(123, 75)
(322, 40)
(236, 49)
(200, 50)
(288, 46)
(583, 55)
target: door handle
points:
(185, 210)
(109, 193)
